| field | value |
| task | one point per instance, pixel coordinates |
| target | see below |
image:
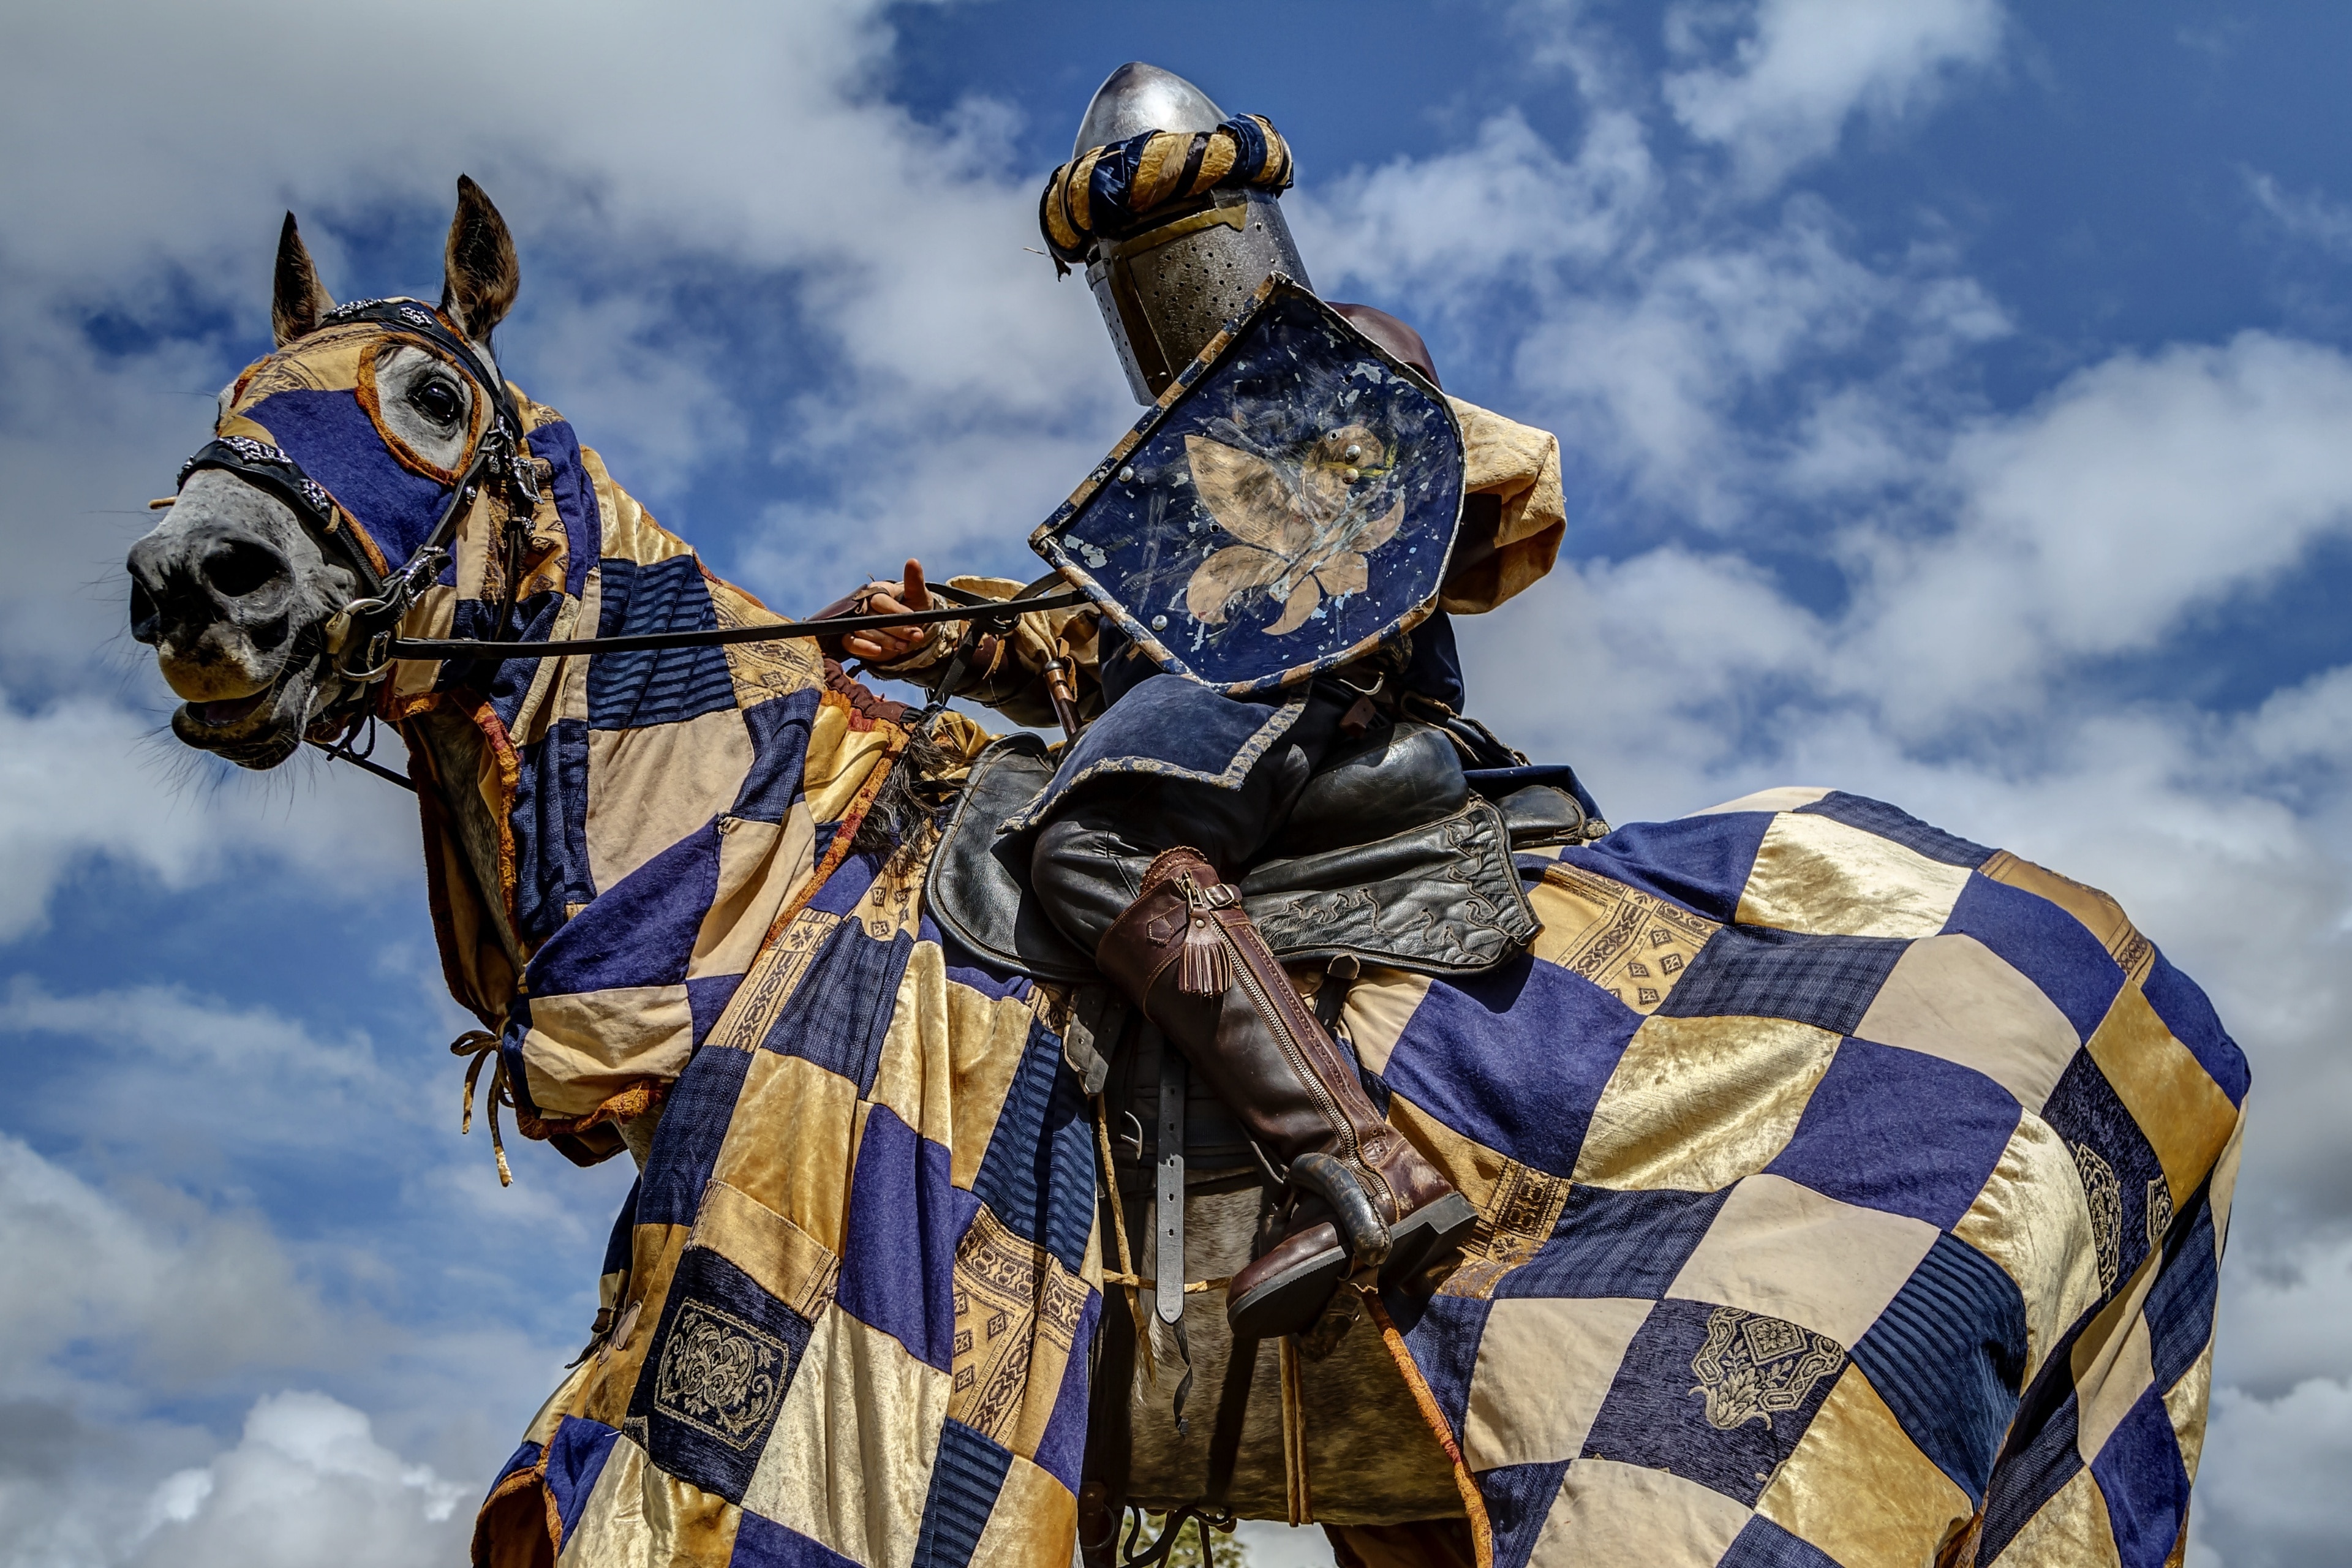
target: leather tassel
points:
(1205, 968)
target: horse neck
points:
(498, 797)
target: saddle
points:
(1395, 854)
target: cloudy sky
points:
(1957, 409)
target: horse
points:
(1848, 1192)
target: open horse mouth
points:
(217, 715)
(258, 730)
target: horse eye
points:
(437, 401)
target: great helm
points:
(1173, 208)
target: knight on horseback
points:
(1847, 1190)
(1177, 786)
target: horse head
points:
(306, 528)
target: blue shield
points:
(1287, 507)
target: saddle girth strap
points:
(1168, 1226)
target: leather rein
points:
(501, 457)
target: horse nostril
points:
(240, 566)
(146, 620)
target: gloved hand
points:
(890, 644)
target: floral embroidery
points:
(1753, 1367)
(2104, 1194)
(1304, 527)
(721, 1375)
(2160, 1211)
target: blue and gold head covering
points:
(1108, 190)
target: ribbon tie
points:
(482, 1045)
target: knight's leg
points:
(1122, 873)
(1186, 952)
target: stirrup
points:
(1361, 1229)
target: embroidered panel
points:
(1753, 1366)
(721, 1375)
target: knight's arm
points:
(1010, 673)
(1513, 514)
(1513, 519)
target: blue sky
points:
(1954, 398)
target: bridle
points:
(498, 457)
(501, 458)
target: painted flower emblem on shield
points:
(1302, 527)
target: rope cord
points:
(482, 1045)
(1191, 1287)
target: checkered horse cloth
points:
(852, 1294)
(1850, 1193)
(846, 1300)
(847, 1305)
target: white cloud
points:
(174, 1075)
(308, 1484)
(641, 391)
(1650, 368)
(1801, 68)
(160, 1021)
(1398, 229)
(154, 1293)
(2270, 1492)
(2283, 1317)
(185, 1298)
(1645, 330)
(198, 1064)
(1646, 673)
(85, 777)
(2309, 217)
(2137, 491)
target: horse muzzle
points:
(223, 593)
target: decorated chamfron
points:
(375, 462)
(1289, 506)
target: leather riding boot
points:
(1187, 954)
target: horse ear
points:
(481, 276)
(299, 301)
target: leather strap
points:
(1167, 1259)
(1331, 998)
(1232, 1396)
(1096, 1015)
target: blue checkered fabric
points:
(1849, 1193)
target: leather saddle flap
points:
(978, 885)
(1442, 898)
